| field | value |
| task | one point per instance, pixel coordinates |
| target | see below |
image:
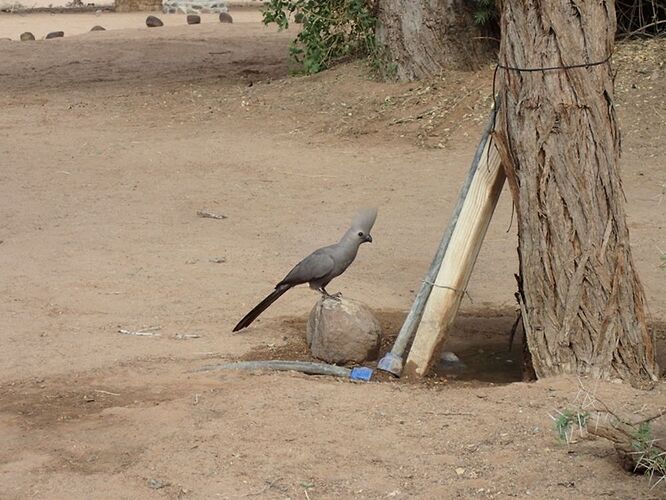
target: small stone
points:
(343, 331)
(156, 484)
(98, 28)
(153, 22)
(460, 471)
(226, 18)
(448, 361)
(27, 36)
(449, 357)
(193, 19)
(54, 34)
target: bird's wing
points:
(315, 266)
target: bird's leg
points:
(327, 295)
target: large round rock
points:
(343, 331)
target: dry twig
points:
(106, 392)
(186, 336)
(207, 214)
(144, 332)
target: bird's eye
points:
(360, 233)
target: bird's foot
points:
(336, 296)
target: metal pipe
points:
(310, 368)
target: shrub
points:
(332, 30)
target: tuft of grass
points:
(565, 422)
(651, 460)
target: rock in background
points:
(226, 18)
(343, 331)
(153, 22)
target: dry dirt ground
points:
(111, 142)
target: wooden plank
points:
(456, 268)
(393, 362)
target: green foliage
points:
(650, 458)
(485, 12)
(332, 30)
(565, 421)
(643, 436)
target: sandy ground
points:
(39, 24)
(111, 142)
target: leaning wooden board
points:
(456, 268)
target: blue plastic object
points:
(361, 373)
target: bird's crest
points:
(365, 219)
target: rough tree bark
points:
(583, 305)
(423, 37)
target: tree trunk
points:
(422, 37)
(582, 302)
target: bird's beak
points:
(368, 238)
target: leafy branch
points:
(332, 31)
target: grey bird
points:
(321, 266)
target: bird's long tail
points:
(261, 307)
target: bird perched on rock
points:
(321, 266)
